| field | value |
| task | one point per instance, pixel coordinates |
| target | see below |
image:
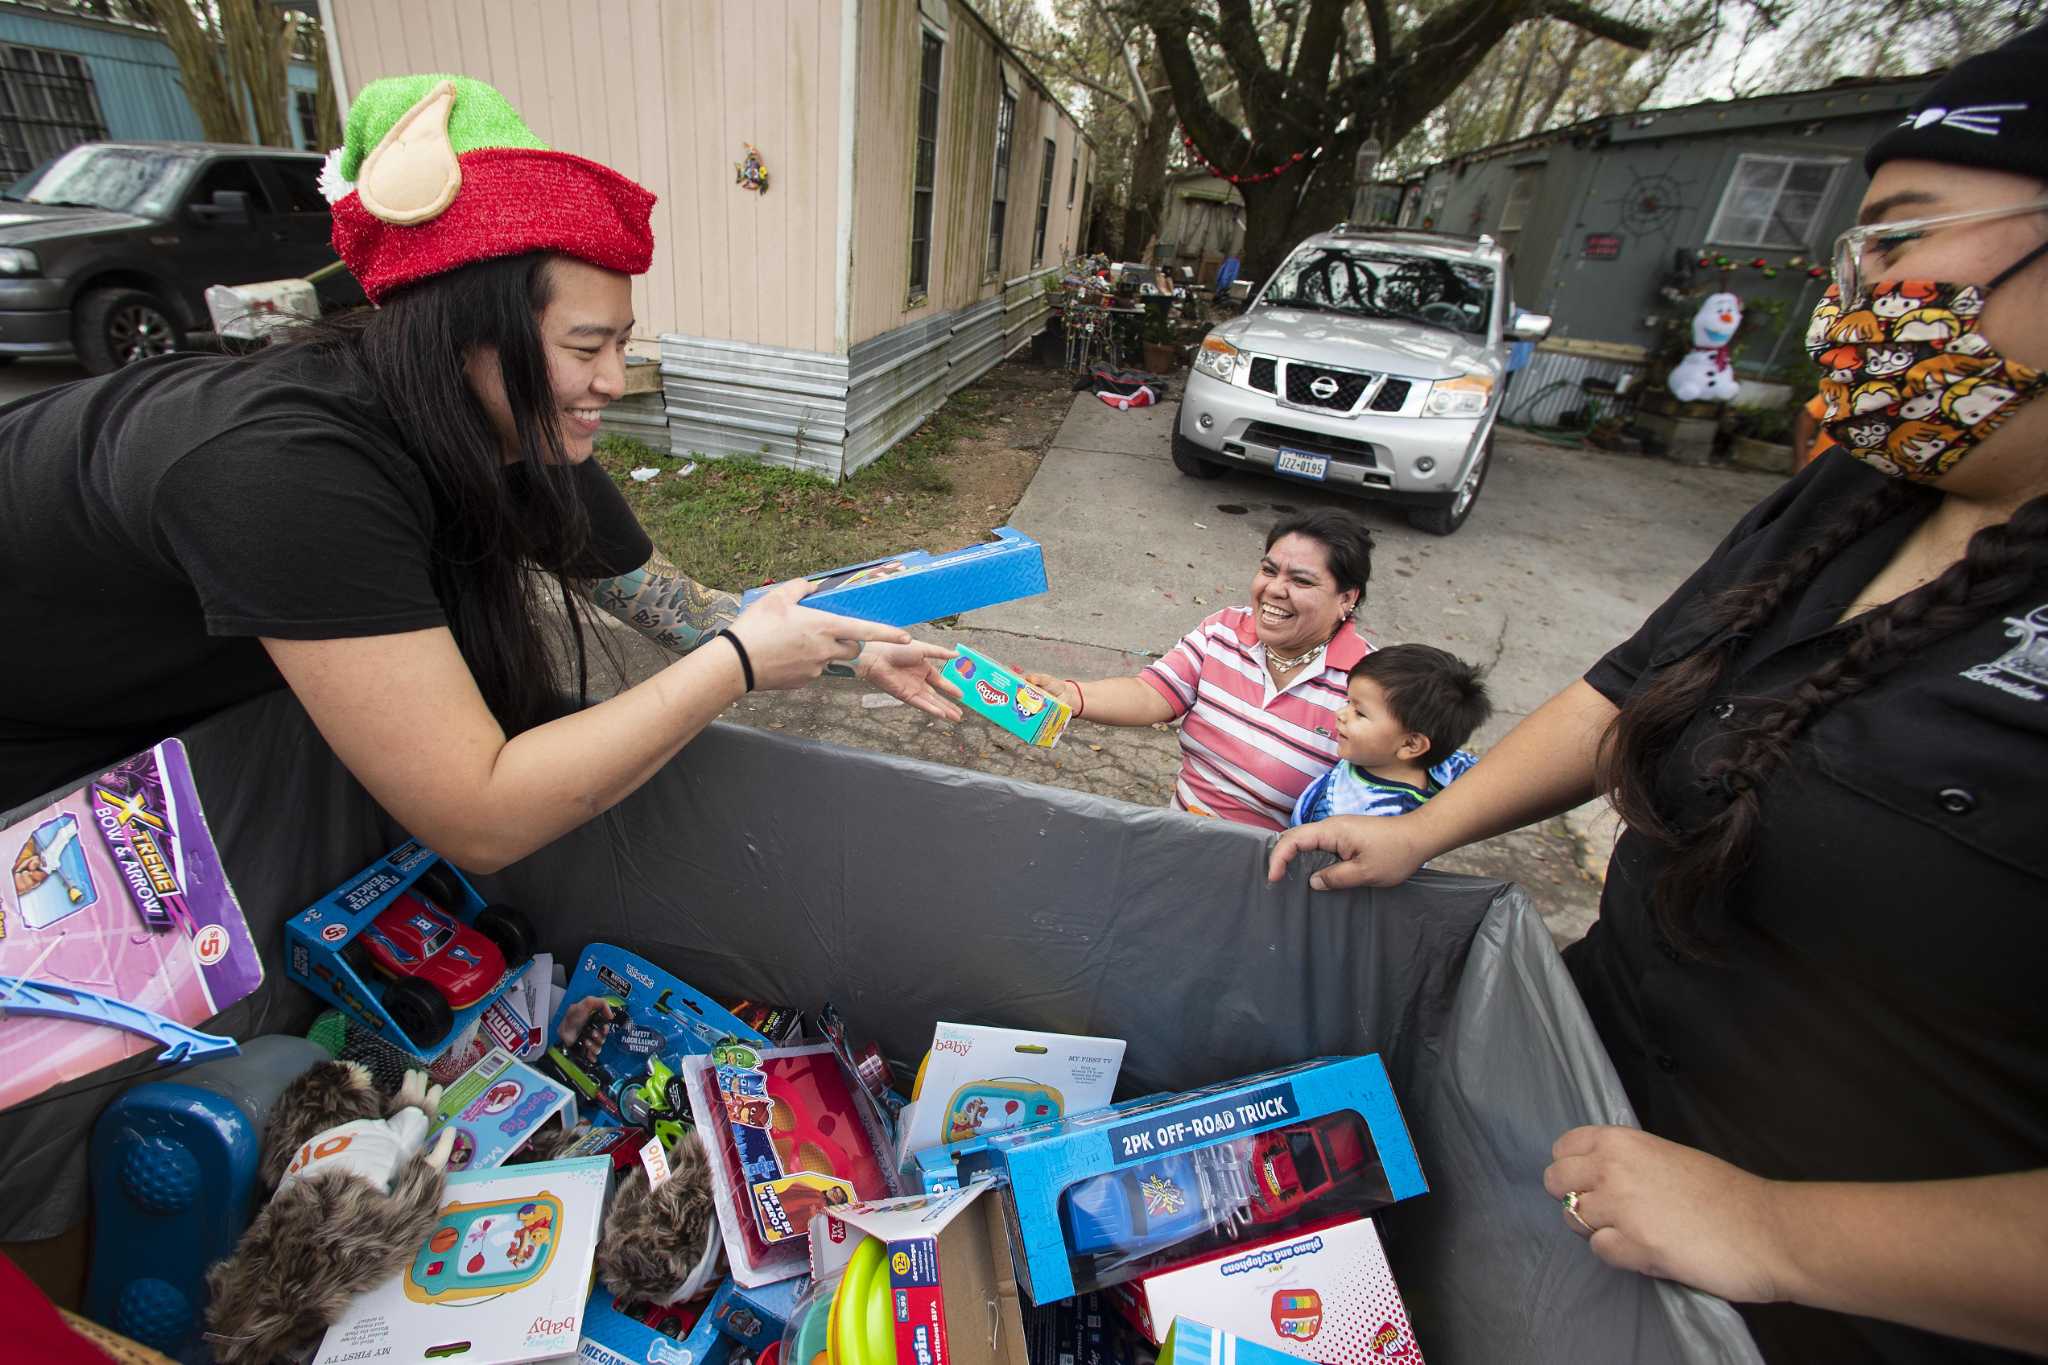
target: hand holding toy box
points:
(1100, 1198)
(1323, 1293)
(978, 1080)
(917, 587)
(1003, 698)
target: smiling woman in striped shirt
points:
(1256, 688)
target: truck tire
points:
(1189, 460)
(510, 929)
(1442, 521)
(421, 1012)
(116, 327)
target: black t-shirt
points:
(1876, 1008)
(155, 522)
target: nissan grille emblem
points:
(1323, 387)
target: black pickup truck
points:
(106, 251)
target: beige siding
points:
(885, 145)
(666, 92)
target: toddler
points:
(1398, 736)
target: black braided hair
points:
(1998, 562)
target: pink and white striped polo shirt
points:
(1248, 751)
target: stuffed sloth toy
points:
(355, 1197)
(662, 1245)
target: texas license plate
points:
(1306, 466)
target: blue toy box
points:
(327, 946)
(621, 1032)
(619, 1333)
(755, 1317)
(1099, 1198)
(916, 587)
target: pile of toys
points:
(600, 1162)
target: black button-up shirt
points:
(1876, 1008)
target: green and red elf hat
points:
(440, 171)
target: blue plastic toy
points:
(917, 587)
(173, 1167)
(20, 995)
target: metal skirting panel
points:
(1527, 403)
(833, 414)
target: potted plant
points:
(1760, 438)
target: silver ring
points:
(1571, 1211)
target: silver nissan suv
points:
(1372, 362)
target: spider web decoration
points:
(1652, 204)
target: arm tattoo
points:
(661, 603)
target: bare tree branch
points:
(1382, 34)
(1321, 36)
(1637, 36)
(1045, 61)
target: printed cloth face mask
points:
(1911, 384)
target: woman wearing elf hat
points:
(1821, 964)
(364, 511)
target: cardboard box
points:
(494, 1108)
(1324, 1294)
(317, 940)
(978, 1080)
(521, 1239)
(619, 1333)
(917, 587)
(1100, 1198)
(637, 1024)
(952, 1291)
(755, 1317)
(1192, 1343)
(789, 1134)
(1001, 697)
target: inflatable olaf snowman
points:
(1705, 374)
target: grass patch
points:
(734, 523)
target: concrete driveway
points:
(1564, 555)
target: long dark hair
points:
(1998, 563)
(494, 542)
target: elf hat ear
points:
(412, 175)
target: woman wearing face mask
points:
(1818, 966)
(376, 512)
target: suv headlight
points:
(1465, 396)
(1217, 358)
(15, 261)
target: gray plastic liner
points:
(779, 869)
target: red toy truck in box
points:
(1291, 1166)
(408, 949)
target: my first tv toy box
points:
(408, 949)
(1102, 1197)
(1322, 1293)
(917, 587)
(998, 695)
